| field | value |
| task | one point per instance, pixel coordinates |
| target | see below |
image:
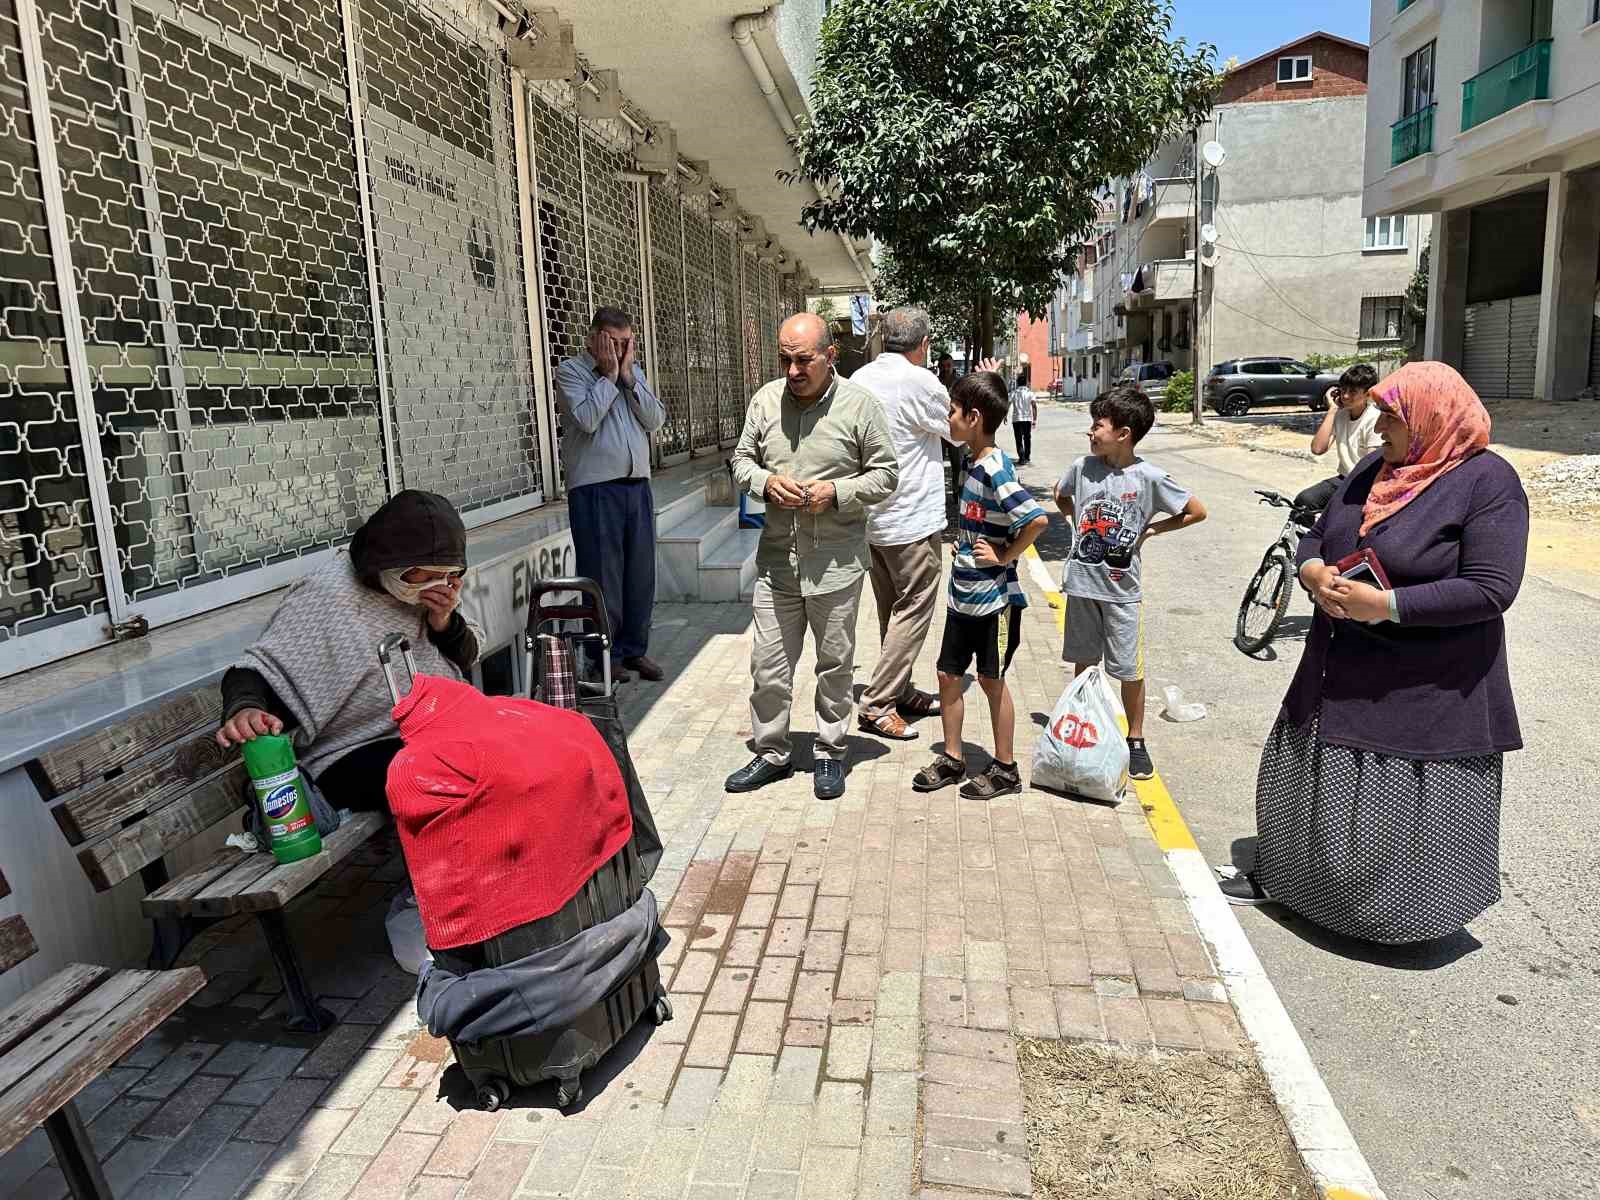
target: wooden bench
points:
(128, 795)
(62, 1035)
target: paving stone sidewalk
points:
(848, 979)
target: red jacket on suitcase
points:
(505, 807)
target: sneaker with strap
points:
(997, 779)
(943, 771)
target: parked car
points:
(1235, 387)
(1150, 378)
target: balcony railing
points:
(1412, 136)
(1510, 82)
(1405, 4)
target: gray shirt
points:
(1111, 506)
(841, 438)
(606, 428)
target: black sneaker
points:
(1244, 891)
(757, 774)
(1139, 764)
(828, 779)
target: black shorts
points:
(992, 640)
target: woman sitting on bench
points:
(315, 670)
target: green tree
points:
(826, 308)
(971, 136)
(949, 307)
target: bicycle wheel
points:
(1265, 602)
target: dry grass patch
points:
(1110, 1125)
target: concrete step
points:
(681, 491)
(728, 571)
(681, 550)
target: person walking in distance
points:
(1110, 495)
(816, 448)
(954, 452)
(1023, 404)
(608, 413)
(904, 532)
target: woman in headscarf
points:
(315, 669)
(1378, 797)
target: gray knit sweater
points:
(319, 654)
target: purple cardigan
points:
(1436, 685)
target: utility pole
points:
(1194, 309)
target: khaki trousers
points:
(781, 621)
(905, 583)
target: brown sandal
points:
(918, 704)
(993, 782)
(940, 773)
(891, 725)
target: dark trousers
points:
(1024, 431)
(614, 537)
(1316, 496)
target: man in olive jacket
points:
(816, 448)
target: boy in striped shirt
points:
(999, 519)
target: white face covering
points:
(394, 582)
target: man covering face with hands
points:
(608, 413)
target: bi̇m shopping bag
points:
(1083, 750)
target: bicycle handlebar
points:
(1277, 500)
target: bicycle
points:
(1267, 596)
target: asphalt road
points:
(1468, 1069)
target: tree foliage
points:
(971, 136)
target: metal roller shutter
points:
(1502, 347)
(1524, 346)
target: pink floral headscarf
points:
(1448, 425)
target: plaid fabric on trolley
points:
(558, 681)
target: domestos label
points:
(278, 794)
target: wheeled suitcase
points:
(495, 1065)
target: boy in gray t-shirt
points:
(1110, 497)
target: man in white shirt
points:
(1350, 429)
(906, 531)
(1022, 413)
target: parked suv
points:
(1235, 387)
(1150, 378)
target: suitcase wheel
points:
(493, 1094)
(661, 1011)
(569, 1092)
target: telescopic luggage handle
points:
(386, 655)
(590, 607)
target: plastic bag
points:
(1083, 750)
(1177, 710)
(406, 939)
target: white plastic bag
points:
(1177, 710)
(406, 939)
(1083, 750)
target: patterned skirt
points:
(1375, 846)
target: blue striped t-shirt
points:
(994, 506)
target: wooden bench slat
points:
(220, 897)
(62, 1075)
(150, 786)
(87, 760)
(16, 943)
(119, 855)
(171, 899)
(46, 1001)
(23, 1058)
(283, 884)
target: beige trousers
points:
(905, 583)
(781, 621)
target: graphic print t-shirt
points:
(994, 506)
(1111, 507)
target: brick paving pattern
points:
(848, 978)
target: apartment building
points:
(1288, 265)
(1484, 113)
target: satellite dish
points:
(1209, 253)
(1214, 154)
(1208, 235)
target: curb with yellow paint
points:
(1327, 1147)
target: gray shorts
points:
(1104, 629)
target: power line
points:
(1310, 337)
(1316, 324)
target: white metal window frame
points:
(99, 625)
(1295, 64)
(1386, 233)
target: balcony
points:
(1173, 203)
(1165, 281)
(1412, 136)
(1405, 4)
(1510, 83)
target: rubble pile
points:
(1569, 484)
